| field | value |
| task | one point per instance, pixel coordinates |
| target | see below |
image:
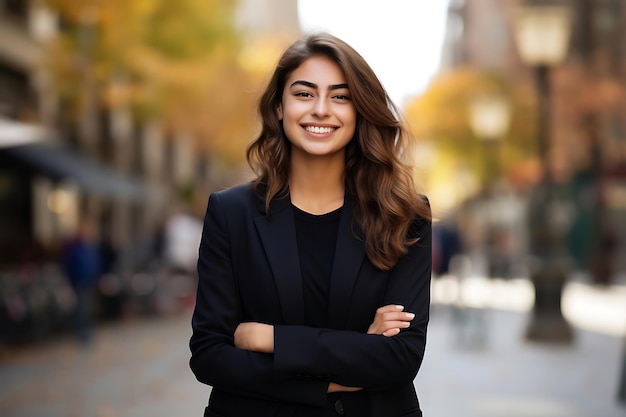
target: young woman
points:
(314, 279)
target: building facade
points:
(587, 109)
(55, 171)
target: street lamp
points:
(489, 117)
(542, 29)
(489, 120)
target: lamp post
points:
(489, 117)
(489, 120)
(542, 32)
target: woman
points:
(314, 279)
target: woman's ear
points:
(279, 112)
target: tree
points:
(178, 61)
(440, 116)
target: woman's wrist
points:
(256, 337)
(266, 338)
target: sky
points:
(400, 39)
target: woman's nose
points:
(320, 107)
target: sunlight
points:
(400, 39)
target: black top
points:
(317, 238)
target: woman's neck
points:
(316, 185)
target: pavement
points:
(508, 377)
(477, 364)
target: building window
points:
(15, 8)
(15, 97)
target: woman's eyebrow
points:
(304, 83)
(338, 86)
(315, 86)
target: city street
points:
(139, 368)
(120, 120)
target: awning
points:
(14, 133)
(62, 162)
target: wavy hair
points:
(377, 180)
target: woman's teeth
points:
(317, 129)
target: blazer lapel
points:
(349, 256)
(279, 241)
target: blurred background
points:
(119, 117)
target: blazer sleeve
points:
(374, 362)
(214, 358)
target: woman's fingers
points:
(392, 328)
(391, 332)
(398, 316)
(389, 308)
(393, 315)
(390, 319)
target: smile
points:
(319, 129)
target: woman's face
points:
(319, 117)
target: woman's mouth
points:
(320, 129)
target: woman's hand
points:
(389, 320)
(332, 387)
(257, 337)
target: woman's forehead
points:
(318, 69)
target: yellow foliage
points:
(440, 117)
(180, 61)
(442, 110)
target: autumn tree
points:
(178, 61)
(440, 117)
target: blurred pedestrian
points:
(314, 279)
(81, 262)
(181, 239)
(111, 291)
(448, 243)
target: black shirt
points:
(317, 238)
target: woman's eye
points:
(342, 97)
(303, 94)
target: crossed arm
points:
(259, 337)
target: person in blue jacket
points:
(81, 262)
(314, 279)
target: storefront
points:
(45, 185)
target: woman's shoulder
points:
(422, 219)
(424, 213)
(241, 195)
(235, 191)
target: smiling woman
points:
(314, 279)
(318, 117)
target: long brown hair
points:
(379, 182)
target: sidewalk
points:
(136, 368)
(508, 377)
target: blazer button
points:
(339, 407)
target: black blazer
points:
(249, 271)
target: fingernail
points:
(410, 315)
(399, 307)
